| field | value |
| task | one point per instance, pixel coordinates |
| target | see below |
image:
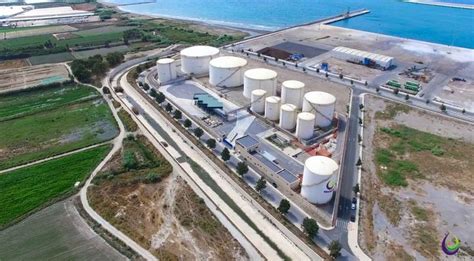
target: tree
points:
(261, 184)
(341, 76)
(198, 132)
(284, 206)
(242, 168)
(153, 92)
(225, 154)
(168, 107)
(463, 111)
(146, 87)
(407, 97)
(427, 101)
(177, 114)
(160, 97)
(443, 107)
(335, 249)
(361, 106)
(114, 58)
(211, 143)
(310, 227)
(356, 188)
(396, 91)
(80, 71)
(359, 162)
(99, 68)
(187, 123)
(105, 90)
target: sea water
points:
(444, 25)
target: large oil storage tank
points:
(288, 116)
(305, 125)
(319, 179)
(322, 105)
(272, 108)
(292, 92)
(226, 71)
(260, 78)
(258, 101)
(195, 59)
(166, 69)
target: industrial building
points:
(264, 162)
(44, 16)
(207, 102)
(363, 57)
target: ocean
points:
(444, 25)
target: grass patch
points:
(30, 188)
(425, 240)
(32, 101)
(418, 212)
(395, 171)
(128, 122)
(411, 140)
(391, 111)
(52, 132)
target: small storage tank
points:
(292, 92)
(258, 101)
(260, 78)
(305, 125)
(319, 179)
(272, 108)
(195, 59)
(166, 69)
(288, 116)
(226, 71)
(322, 105)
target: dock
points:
(344, 16)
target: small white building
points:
(362, 57)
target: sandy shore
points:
(444, 4)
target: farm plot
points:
(27, 31)
(63, 235)
(51, 58)
(73, 121)
(27, 189)
(417, 183)
(102, 51)
(32, 76)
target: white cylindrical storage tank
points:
(226, 71)
(322, 105)
(288, 116)
(260, 78)
(195, 59)
(292, 92)
(272, 108)
(166, 69)
(305, 125)
(319, 179)
(258, 101)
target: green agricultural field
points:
(26, 42)
(104, 30)
(51, 122)
(51, 58)
(19, 104)
(27, 189)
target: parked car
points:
(353, 218)
(164, 144)
(354, 200)
(353, 206)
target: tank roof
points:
(288, 107)
(199, 51)
(273, 99)
(306, 116)
(321, 165)
(228, 62)
(165, 61)
(293, 84)
(322, 98)
(259, 92)
(260, 74)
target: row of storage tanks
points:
(294, 109)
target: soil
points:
(11, 64)
(403, 223)
(165, 217)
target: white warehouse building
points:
(226, 71)
(195, 59)
(319, 179)
(359, 56)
